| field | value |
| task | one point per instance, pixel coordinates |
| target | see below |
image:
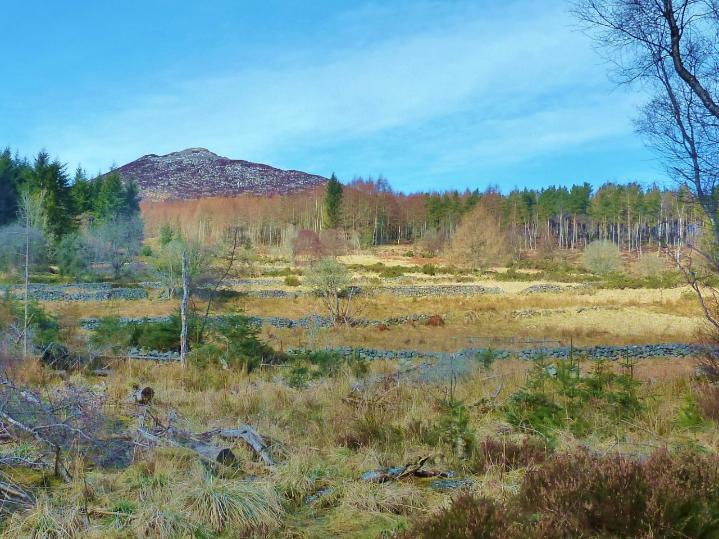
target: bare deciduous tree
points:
(32, 217)
(671, 47)
(331, 282)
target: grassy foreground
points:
(494, 425)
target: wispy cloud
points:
(463, 85)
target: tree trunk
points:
(183, 307)
(27, 284)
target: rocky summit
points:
(198, 173)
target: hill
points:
(198, 173)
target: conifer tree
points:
(333, 203)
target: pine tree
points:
(111, 199)
(10, 173)
(50, 178)
(333, 203)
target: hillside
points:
(198, 173)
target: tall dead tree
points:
(184, 305)
(32, 217)
(671, 48)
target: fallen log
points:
(396, 473)
(14, 497)
(207, 452)
(251, 438)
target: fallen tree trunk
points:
(13, 497)
(207, 452)
(251, 438)
(397, 473)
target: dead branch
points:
(251, 438)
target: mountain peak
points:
(198, 173)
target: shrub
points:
(292, 280)
(574, 494)
(535, 411)
(453, 428)
(558, 395)
(651, 265)
(602, 257)
(508, 455)
(667, 496)
(429, 269)
(580, 495)
(233, 341)
(467, 517)
(392, 272)
(73, 256)
(146, 250)
(707, 401)
(312, 365)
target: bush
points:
(146, 250)
(392, 272)
(559, 395)
(73, 256)
(429, 269)
(578, 495)
(467, 517)
(233, 342)
(651, 265)
(508, 455)
(581, 495)
(602, 257)
(292, 280)
(306, 366)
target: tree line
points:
(79, 223)
(369, 212)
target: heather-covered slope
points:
(197, 173)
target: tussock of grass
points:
(46, 521)
(241, 506)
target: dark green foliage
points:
(44, 327)
(429, 269)
(558, 395)
(119, 335)
(232, 341)
(486, 358)
(534, 411)
(106, 197)
(292, 280)
(146, 250)
(392, 272)
(167, 234)
(333, 203)
(453, 428)
(59, 357)
(11, 172)
(237, 338)
(315, 364)
(50, 178)
(73, 256)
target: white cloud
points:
(500, 85)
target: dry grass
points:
(325, 437)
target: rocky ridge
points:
(198, 173)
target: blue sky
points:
(432, 95)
